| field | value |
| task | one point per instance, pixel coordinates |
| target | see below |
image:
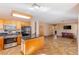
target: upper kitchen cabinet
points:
(1, 21)
(25, 24)
(12, 22)
(18, 25)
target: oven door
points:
(10, 42)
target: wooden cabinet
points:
(19, 39)
(1, 43)
(18, 25)
(25, 24)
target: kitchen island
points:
(31, 45)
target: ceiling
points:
(48, 12)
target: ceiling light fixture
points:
(41, 8)
(21, 15)
(36, 6)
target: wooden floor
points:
(59, 46)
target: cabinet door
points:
(19, 39)
(1, 43)
(18, 25)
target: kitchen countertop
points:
(8, 35)
(27, 38)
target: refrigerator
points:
(26, 31)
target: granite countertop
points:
(5, 35)
(27, 38)
(10, 36)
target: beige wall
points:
(73, 29)
(45, 29)
(41, 28)
(48, 29)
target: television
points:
(67, 27)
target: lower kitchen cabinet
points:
(1, 43)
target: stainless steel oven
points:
(10, 41)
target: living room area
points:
(64, 42)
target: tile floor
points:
(59, 46)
